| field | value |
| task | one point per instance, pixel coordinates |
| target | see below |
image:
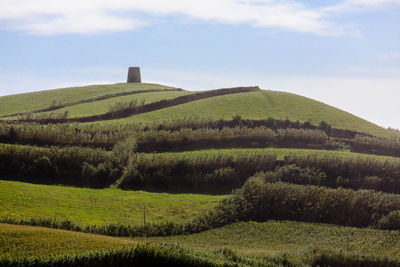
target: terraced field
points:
(228, 177)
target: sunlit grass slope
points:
(99, 206)
(17, 241)
(43, 99)
(280, 152)
(102, 106)
(275, 237)
(262, 105)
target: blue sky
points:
(345, 53)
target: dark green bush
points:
(260, 201)
(390, 221)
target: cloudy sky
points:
(343, 52)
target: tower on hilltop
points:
(134, 75)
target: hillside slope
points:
(250, 105)
(262, 105)
(42, 99)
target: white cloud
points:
(359, 5)
(97, 16)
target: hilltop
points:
(253, 104)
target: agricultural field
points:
(158, 175)
(98, 206)
(277, 237)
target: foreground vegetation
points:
(20, 242)
(42, 247)
(276, 237)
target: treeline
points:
(197, 122)
(194, 172)
(68, 165)
(260, 201)
(188, 139)
(61, 135)
(376, 145)
(137, 109)
(351, 171)
(228, 171)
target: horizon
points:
(342, 53)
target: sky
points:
(345, 53)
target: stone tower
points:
(134, 75)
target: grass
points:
(280, 152)
(36, 100)
(102, 106)
(99, 206)
(277, 237)
(37, 246)
(261, 105)
(18, 242)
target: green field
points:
(102, 106)
(99, 206)
(277, 237)
(280, 152)
(37, 100)
(20, 242)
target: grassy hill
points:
(42, 99)
(251, 105)
(204, 166)
(262, 105)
